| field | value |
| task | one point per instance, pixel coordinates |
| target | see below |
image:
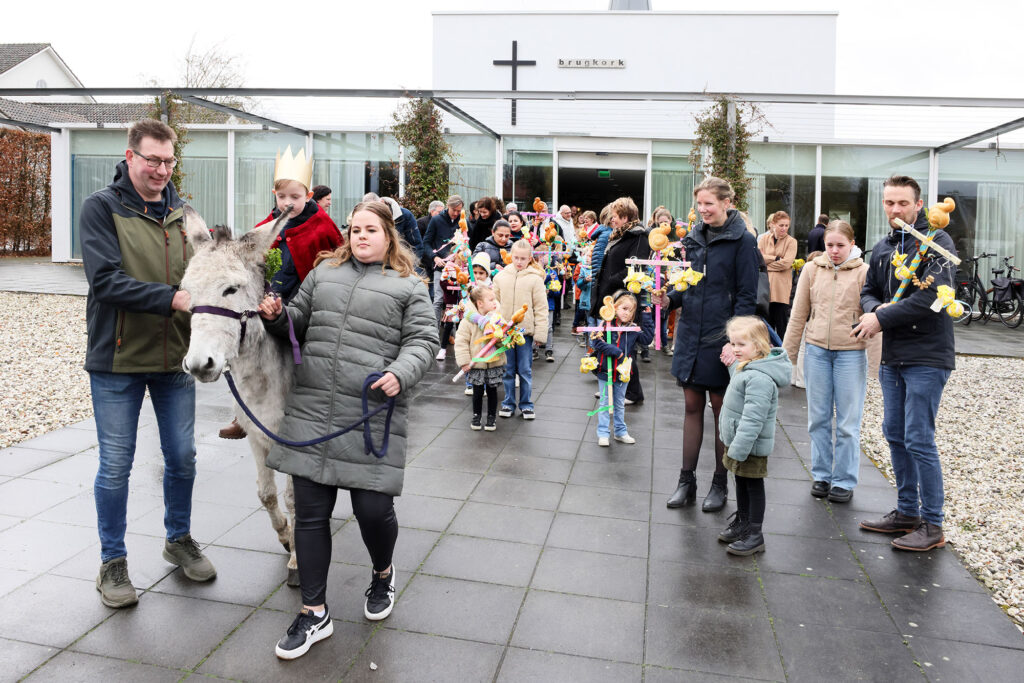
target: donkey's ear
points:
(260, 239)
(195, 227)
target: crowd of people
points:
(390, 292)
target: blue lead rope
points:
(388, 405)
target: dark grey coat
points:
(352, 320)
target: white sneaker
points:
(629, 402)
(603, 441)
(468, 391)
(441, 354)
(380, 596)
(625, 438)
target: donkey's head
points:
(225, 276)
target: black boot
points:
(715, 499)
(686, 493)
(752, 543)
(737, 528)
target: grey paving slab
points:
(552, 622)
(21, 658)
(402, 656)
(529, 553)
(535, 665)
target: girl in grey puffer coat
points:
(360, 311)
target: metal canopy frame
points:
(442, 98)
(37, 127)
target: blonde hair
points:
(588, 214)
(478, 292)
(749, 223)
(605, 212)
(398, 257)
(285, 182)
(660, 211)
(623, 294)
(754, 330)
(843, 228)
(721, 189)
(520, 245)
(775, 218)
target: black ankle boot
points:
(715, 499)
(752, 542)
(737, 528)
(686, 492)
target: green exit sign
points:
(604, 174)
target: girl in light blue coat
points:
(747, 426)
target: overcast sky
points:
(952, 48)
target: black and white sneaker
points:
(528, 413)
(304, 631)
(380, 596)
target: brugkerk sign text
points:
(592, 63)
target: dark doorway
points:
(585, 188)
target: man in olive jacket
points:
(135, 252)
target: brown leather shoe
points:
(892, 523)
(925, 537)
(232, 431)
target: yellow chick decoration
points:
(938, 214)
(505, 257)
(898, 261)
(684, 279)
(588, 364)
(625, 368)
(634, 280)
(658, 237)
(799, 264)
(669, 251)
(607, 311)
(946, 298)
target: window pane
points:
(672, 185)
(471, 175)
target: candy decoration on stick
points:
(658, 237)
(510, 340)
(938, 218)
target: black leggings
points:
(778, 318)
(314, 503)
(750, 498)
(492, 398)
(693, 428)
(446, 333)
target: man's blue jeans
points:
(618, 403)
(911, 396)
(835, 379)
(519, 361)
(116, 402)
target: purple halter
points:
(244, 316)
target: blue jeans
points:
(835, 379)
(519, 361)
(911, 396)
(438, 295)
(116, 401)
(618, 403)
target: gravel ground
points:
(42, 349)
(981, 442)
(980, 436)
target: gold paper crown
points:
(297, 167)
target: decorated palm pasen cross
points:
(680, 275)
(589, 363)
(496, 330)
(938, 219)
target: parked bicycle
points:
(1006, 296)
(970, 291)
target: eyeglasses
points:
(154, 162)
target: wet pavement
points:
(525, 554)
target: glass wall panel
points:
(94, 154)
(352, 164)
(851, 185)
(205, 185)
(782, 179)
(528, 171)
(471, 176)
(672, 182)
(988, 187)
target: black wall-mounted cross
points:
(515, 63)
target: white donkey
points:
(225, 280)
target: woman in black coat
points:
(721, 247)
(628, 239)
(481, 227)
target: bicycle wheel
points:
(1010, 311)
(980, 306)
(965, 295)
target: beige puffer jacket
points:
(827, 305)
(513, 288)
(467, 346)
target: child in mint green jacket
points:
(747, 426)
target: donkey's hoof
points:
(293, 578)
